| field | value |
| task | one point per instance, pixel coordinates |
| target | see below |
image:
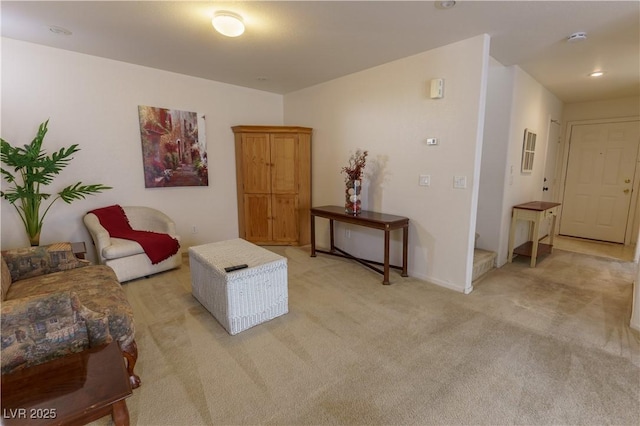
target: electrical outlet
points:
(347, 233)
(425, 180)
(432, 141)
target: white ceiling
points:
(290, 45)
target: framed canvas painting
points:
(174, 149)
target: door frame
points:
(553, 182)
(631, 233)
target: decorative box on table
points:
(244, 298)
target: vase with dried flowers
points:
(353, 181)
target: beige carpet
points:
(549, 345)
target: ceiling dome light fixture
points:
(596, 74)
(447, 4)
(59, 30)
(228, 23)
(579, 36)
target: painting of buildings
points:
(173, 147)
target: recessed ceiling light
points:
(228, 23)
(445, 4)
(59, 30)
(596, 74)
(579, 36)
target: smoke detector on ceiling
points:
(579, 36)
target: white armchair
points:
(126, 257)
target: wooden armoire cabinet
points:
(273, 176)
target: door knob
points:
(626, 191)
(627, 180)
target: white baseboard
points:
(447, 285)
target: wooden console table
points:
(535, 212)
(72, 390)
(369, 219)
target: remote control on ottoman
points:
(235, 268)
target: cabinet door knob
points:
(626, 191)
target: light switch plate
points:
(425, 180)
(460, 182)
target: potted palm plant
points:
(29, 170)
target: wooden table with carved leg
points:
(73, 390)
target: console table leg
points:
(313, 236)
(552, 232)
(386, 257)
(405, 247)
(534, 248)
(512, 235)
(333, 244)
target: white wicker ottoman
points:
(244, 298)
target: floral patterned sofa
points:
(54, 304)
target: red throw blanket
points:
(157, 246)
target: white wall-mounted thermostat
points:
(437, 88)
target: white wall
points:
(94, 102)
(495, 147)
(387, 111)
(515, 101)
(532, 107)
(613, 108)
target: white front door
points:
(600, 176)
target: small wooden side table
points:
(79, 249)
(72, 390)
(535, 212)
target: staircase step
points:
(483, 262)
